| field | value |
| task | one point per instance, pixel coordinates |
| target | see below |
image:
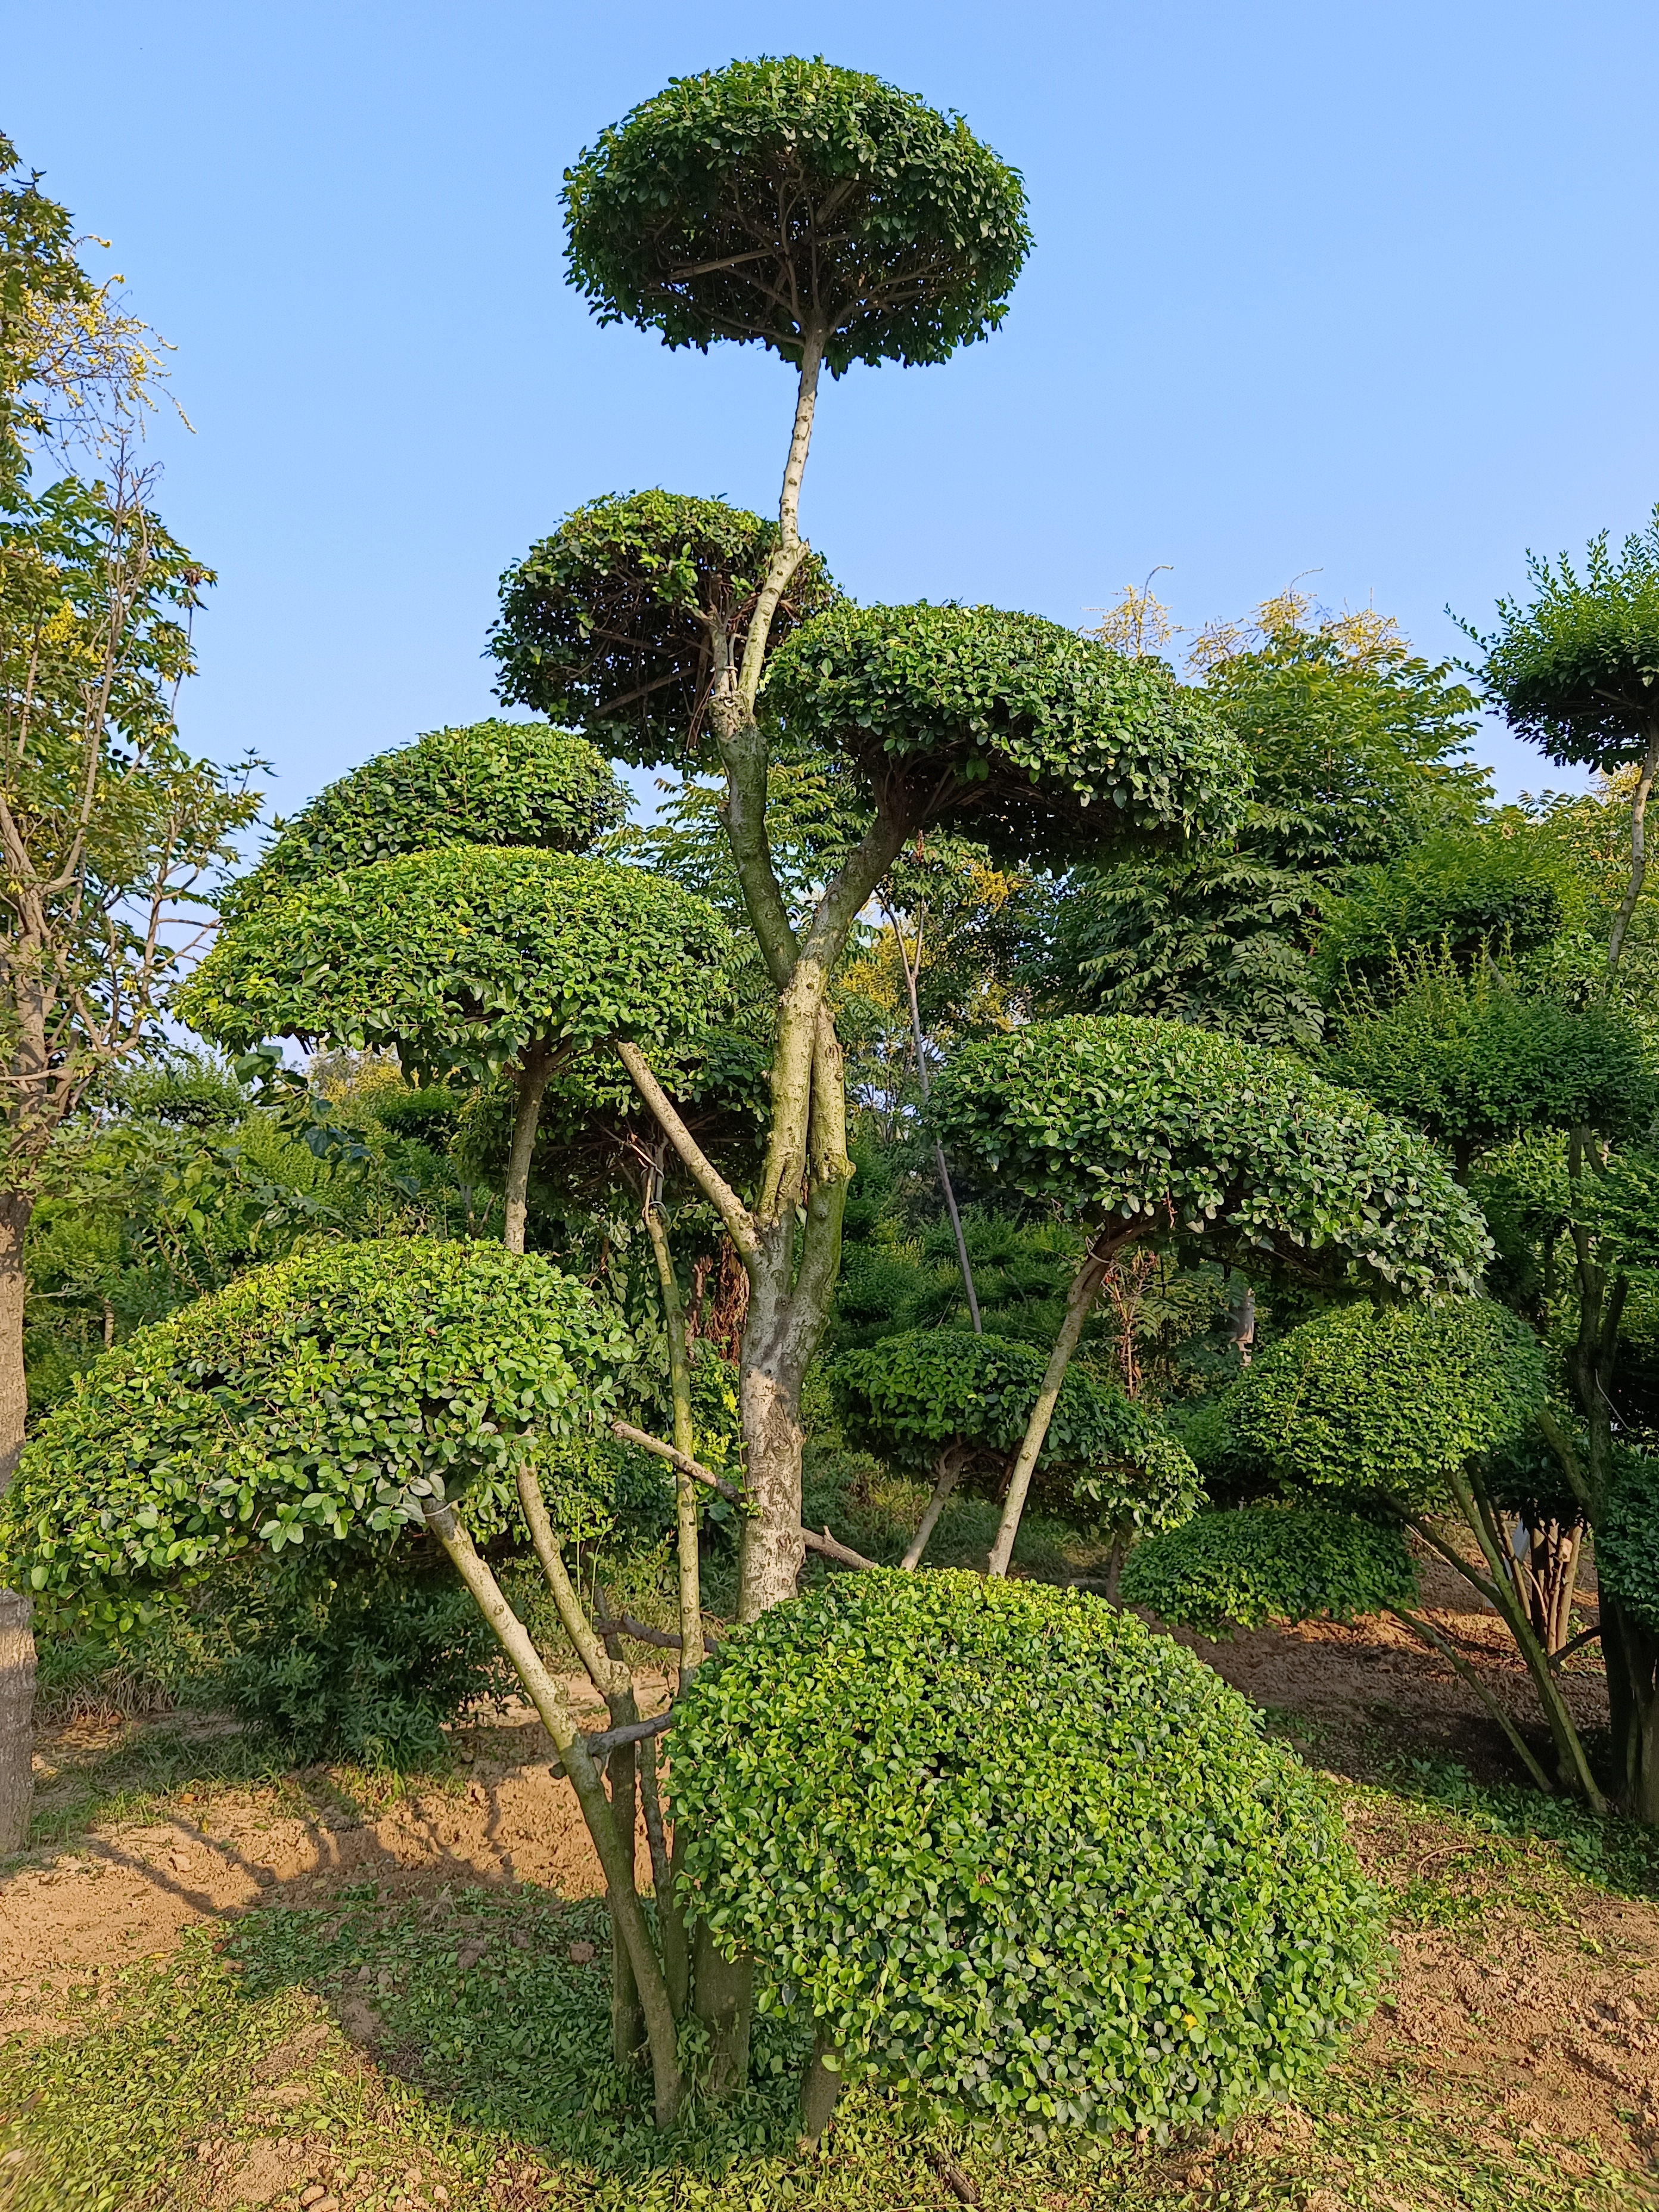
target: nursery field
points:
(356, 1994)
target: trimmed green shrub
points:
(462, 958)
(1032, 739)
(1396, 1401)
(1186, 1134)
(606, 623)
(692, 217)
(312, 1400)
(1019, 1856)
(1226, 1570)
(911, 1398)
(1467, 891)
(1020, 1859)
(494, 783)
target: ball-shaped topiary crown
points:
(491, 783)
(1226, 1570)
(301, 1402)
(1162, 1130)
(1020, 1859)
(462, 958)
(779, 198)
(607, 624)
(1035, 740)
(1394, 1401)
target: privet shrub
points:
(1021, 1859)
(1226, 1570)
(302, 1402)
(1627, 1538)
(1395, 1401)
(493, 783)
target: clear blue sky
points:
(1368, 291)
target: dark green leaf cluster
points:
(1474, 896)
(780, 198)
(1226, 1570)
(461, 958)
(1179, 1132)
(1576, 669)
(1395, 1401)
(1041, 743)
(303, 1402)
(1627, 1538)
(607, 624)
(492, 783)
(1020, 1859)
(913, 1397)
(1355, 756)
(1473, 1057)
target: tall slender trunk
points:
(685, 1490)
(17, 1608)
(1079, 1304)
(535, 1070)
(1638, 851)
(919, 1043)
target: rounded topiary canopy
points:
(1226, 1570)
(1019, 1859)
(492, 783)
(462, 958)
(1162, 1130)
(606, 623)
(780, 197)
(913, 1397)
(302, 1402)
(1627, 1538)
(1038, 741)
(1397, 1401)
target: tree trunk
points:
(17, 1608)
(1079, 1304)
(820, 2086)
(948, 1473)
(1638, 852)
(532, 1088)
(723, 1992)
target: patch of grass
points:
(1619, 1857)
(166, 2082)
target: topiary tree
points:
(1411, 1411)
(952, 1405)
(824, 215)
(350, 1393)
(491, 783)
(1576, 669)
(469, 960)
(1051, 1873)
(1147, 1130)
(1468, 897)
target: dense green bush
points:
(304, 1401)
(1395, 1401)
(1019, 1859)
(1224, 1571)
(462, 958)
(495, 783)
(1036, 740)
(1627, 1538)
(910, 1398)
(1470, 892)
(1181, 1132)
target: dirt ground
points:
(1556, 2012)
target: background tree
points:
(1148, 1130)
(1576, 669)
(1358, 749)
